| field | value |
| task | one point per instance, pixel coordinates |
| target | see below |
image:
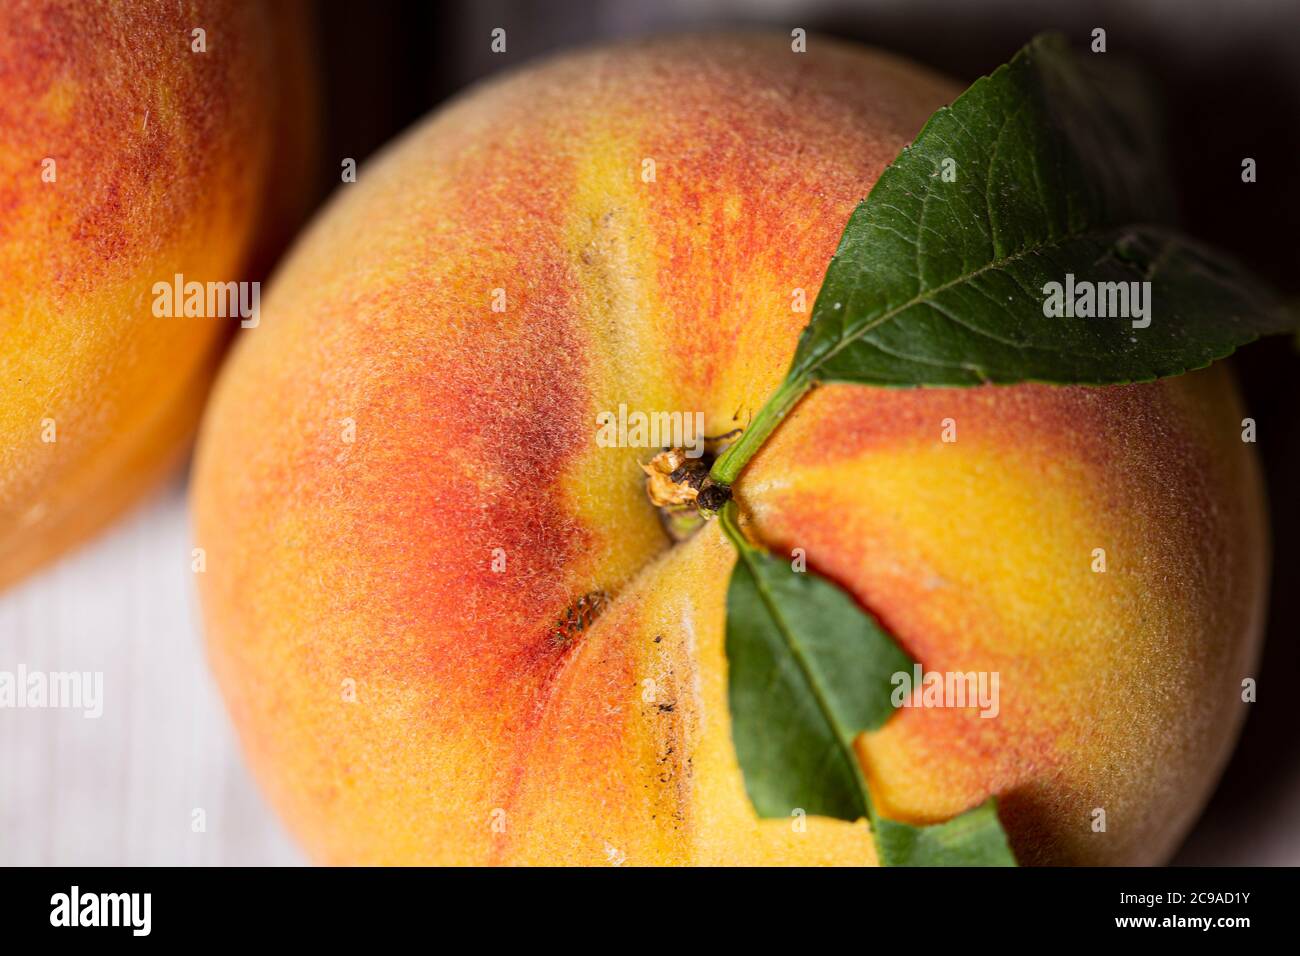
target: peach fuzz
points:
(400, 493)
(160, 166)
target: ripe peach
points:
(450, 627)
(129, 157)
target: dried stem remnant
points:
(673, 480)
(680, 487)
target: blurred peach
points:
(130, 157)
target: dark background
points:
(1228, 74)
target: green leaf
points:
(808, 671)
(942, 283)
(975, 838)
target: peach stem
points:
(733, 461)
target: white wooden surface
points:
(121, 789)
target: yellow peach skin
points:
(400, 492)
(128, 157)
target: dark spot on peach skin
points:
(594, 689)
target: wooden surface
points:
(122, 789)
